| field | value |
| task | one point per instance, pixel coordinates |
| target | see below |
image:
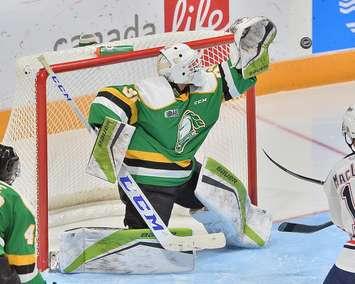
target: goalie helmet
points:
(348, 127)
(9, 164)
(180, 64)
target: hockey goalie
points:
(153, 128)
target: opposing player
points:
(173, 114)
(340, 190)
(17, 227)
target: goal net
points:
(54, 146)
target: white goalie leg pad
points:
(110, 149)
(252, 38)
(228, 208)
(109, 250)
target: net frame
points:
(42, 127)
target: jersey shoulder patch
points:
(155, 92)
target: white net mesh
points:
(69, 144)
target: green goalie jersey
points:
(17, 235)
(170, 125)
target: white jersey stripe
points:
(2, 242)
(157, 173)
(112, 106)
(346, 260)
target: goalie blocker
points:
(109, 150)
(109, 250)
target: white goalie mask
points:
(180, 64)
(348, 127)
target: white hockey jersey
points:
(340, 190)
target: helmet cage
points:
(180, 64)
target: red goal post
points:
(42, 111)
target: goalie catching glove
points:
(252, 39)
(228, 208)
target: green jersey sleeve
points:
(233, 82)
(17, 231)
(117, 102)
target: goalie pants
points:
(163, 198)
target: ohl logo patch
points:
(185, 15)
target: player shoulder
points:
(120, 91)
(344, 162)
(155, 92)
(210, 80)
(343, 167)
(8, 193)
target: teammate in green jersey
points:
(174, 112)
(17, 227)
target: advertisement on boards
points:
(333, 25)
(60, 24)
(185, 15)
(23, 32)
(32, 27)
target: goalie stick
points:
(137, 197)
(295, 227)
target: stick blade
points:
(283, 227)
(302, 228)
(294, 227)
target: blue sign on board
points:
(333, 25)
